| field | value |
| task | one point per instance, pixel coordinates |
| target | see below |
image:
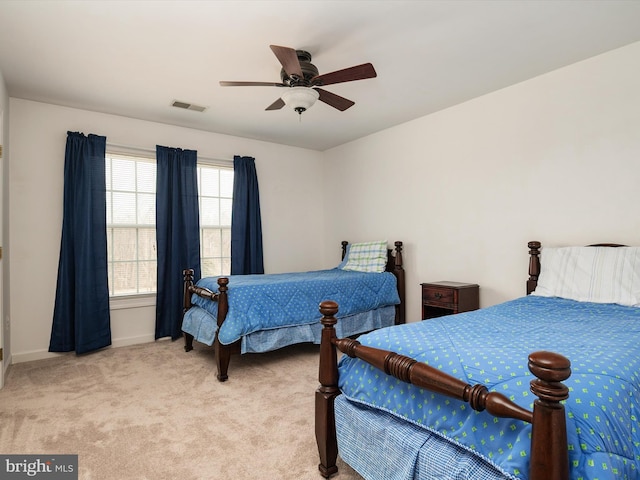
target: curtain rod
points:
(153, 150)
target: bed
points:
(483, 395)
(261, 313)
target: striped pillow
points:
(591, 274)
(367, 257)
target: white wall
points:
(5, 334)
(555, 159)
(290, 188)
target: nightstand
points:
(446, 298)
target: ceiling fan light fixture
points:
(300, 98)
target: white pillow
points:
(367, 257)
(591, 274)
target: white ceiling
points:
(133, 58)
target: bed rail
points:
(549, 454)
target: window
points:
(215, 189)
(131, 216)
(131, 230)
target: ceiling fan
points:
(302, 80)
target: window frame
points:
(138, 190)
(220, 165)
(144, 299)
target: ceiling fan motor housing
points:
(309, 71)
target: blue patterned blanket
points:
(263, 302)
(601, 340)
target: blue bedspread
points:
(263, 302)
(491, 346)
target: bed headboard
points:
(534, 265)
(534, 261)
(395, 266)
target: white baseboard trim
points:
(6, 364)
(44, 354)
(125, 342)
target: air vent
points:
(188, 106)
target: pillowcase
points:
(366, 257)
(591, 274)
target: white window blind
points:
(131, 229)
(215, 189)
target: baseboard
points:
(34, 355)
(125, 342)
(44, 354)
(6, 365)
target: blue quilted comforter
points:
(491, 346)
(263, 302)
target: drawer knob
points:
(437, 295)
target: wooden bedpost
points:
(186, 303)
(398, 270)
(222, 352)
(344, 248)
(327, 392)
(549, 451)
(534, 265)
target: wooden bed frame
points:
(223, 352)
(549, 451)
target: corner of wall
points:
(5, 332)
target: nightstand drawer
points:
(437, 296)
(446, 298)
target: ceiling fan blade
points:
(289, 60)
(359, 72)
(336, 101)
(251, 84)
(277, 105)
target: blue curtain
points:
(246, 226)
(81, 313)
(177, 234)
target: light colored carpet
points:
(155, 412)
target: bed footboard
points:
(222, 352)
(549, 454)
